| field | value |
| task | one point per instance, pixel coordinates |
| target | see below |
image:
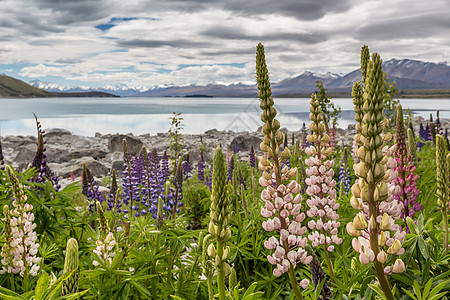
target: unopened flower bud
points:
(359, 223)
(382, 257)
(395, 247)
(399, 266)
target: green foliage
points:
(168, 260)
(329, 109)
(175, 136)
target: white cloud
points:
(60, 38)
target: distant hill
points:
(11, 87)
(408, 75)
(83, 94)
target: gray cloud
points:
(299, 9)
(405, 27)
(160, 43)
(232, 33)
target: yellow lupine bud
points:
(365, 193)
(356, 190)
(382, 239)
(359, 223)
(385, 222)
(356, 204)
(396, 246)
(351, 230)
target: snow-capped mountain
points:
(407, 73)
(116, 89)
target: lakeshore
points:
(67, 152)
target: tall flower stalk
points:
(442, 192)
(19, 253)
(373, 226)
(321, 186)
(71, 263)
(406, 190)
(282, 205)
(219, 221)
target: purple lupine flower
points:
(405, 191)
(437, 124)
(236, 148)
(230, 169)
(208, 181)
(2, 159)
(344, 172)
(429, 133)
(90, 189)
(201, 169)
(423, 136)
(39, 162)
(129, 184)
(165, 167)
(113, 203)
(252, 158)
(187, 168)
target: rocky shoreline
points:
(66, 152)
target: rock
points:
(58, 132)
(244, 142)
(64, 170)
(118, 166)
(25, 154)
(212, 132)
(115, 143)
(94, 153)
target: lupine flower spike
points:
(442, 191)
(406, 190)
(318, 275)
(219, 221)
(321, 186)
(282, 202)
(412, 147)
(373, 226)
(2, 159)
(19, 254)
(344, 172)
(71, 264)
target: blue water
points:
(86, 116)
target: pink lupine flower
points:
(19, 254)
(105, 250)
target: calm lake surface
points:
(86, 116)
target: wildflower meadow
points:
(307, 219)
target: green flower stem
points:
(295, 286)
(276, 169)
(379, 269)
(329, 264)
(220, 271)
(210, 288)
(445, 227)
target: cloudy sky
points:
(178, 42)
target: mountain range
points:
(408, 74)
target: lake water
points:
(86, 116)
